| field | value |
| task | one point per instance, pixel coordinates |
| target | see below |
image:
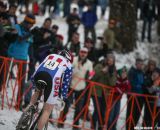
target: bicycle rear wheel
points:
(34, 123)
(35, 120)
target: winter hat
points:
(55, 27)
(119, 72)
(30, 18)
(83, 49)
(110, 55)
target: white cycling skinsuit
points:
(56, 71)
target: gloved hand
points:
(118, 90)
(59, 104)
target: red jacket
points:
(123, 84)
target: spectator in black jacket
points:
(158, 17)
(12, 14)
(43, 39)
(148, 12)
(92, 52)
(74, 45)
(73, 22)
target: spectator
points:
(75, 45)
(82, 68)
(12, 2)
(73, 22)
(122, 86)
(66, 8)
(158, 17)
(19, 49)
(105, 73)
(139, 4)
(148, 12)
(50, 4)
(156, 89)
(24, 3)
(149, 104)
(35, 7)
(7, 35)
(109, 39)
(103, 4)
(44, 39)
(89, 20)
(58, 45)
(81, 4)
(92, 53)
(136, 78)
(55, 29)
(101, 47)
(12, 14)
(3, 7)
(93, 3)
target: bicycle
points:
(29, 119)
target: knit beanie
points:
(119, 72)
(30, 18)
(110, 55)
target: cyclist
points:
(53, 76)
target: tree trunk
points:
(124, 12)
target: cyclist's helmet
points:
(67, 54)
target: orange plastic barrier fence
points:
(121, 120)
(12, 91)
(131, 113)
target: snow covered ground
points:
(9, 118)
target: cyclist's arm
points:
(66, 82)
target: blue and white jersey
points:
(61, 72)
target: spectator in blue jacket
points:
(19, 49)
(136, 78)
(89, 19)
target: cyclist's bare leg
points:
(34, 97)
(47, 109)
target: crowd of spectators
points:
(22, 40)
